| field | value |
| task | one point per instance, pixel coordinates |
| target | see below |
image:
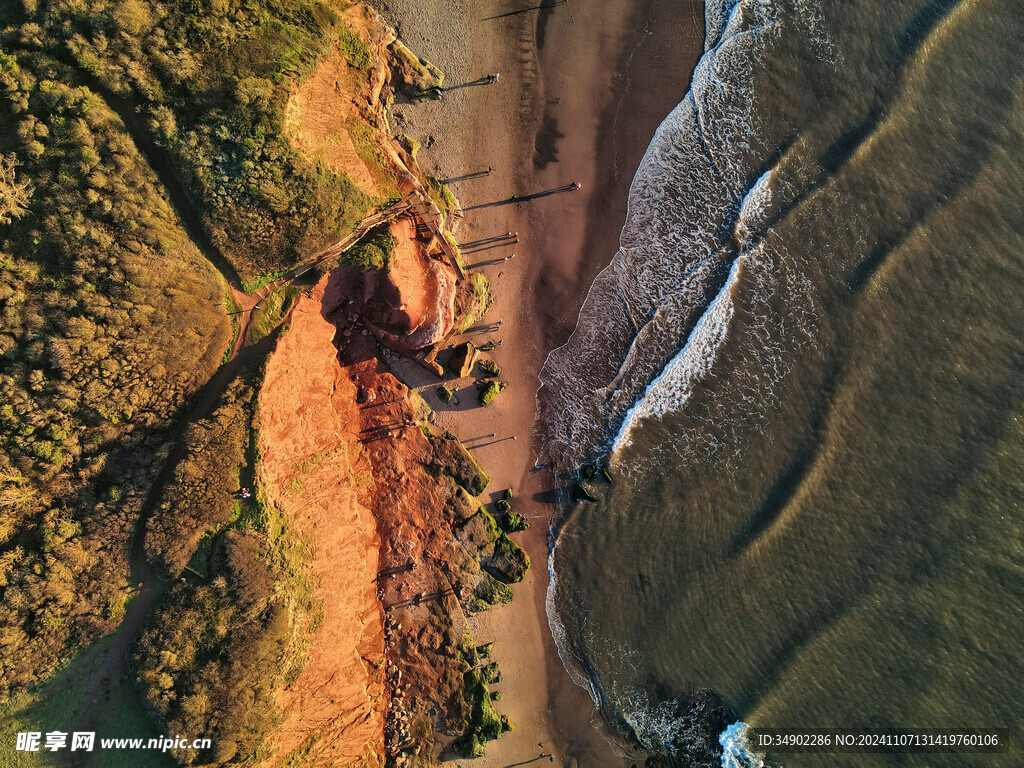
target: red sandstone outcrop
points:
(312, 469)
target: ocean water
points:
(804, 369)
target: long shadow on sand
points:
(540, 7)
(524, 198)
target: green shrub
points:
(208, 642)
(354, 48)
(373, 251)
(441, 194)
(270, 313)
(110, 323)
(200, 496)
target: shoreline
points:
(539, 130)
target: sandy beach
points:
(582, 88)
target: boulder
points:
(462, 359)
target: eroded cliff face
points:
(338, 116)
(412, 303)
(313, 470)
(400, 547)
(442, 558)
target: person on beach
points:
(490, 168)
(576, 185)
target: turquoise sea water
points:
(805, 369)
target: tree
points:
(14, 192)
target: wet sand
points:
(583, 86)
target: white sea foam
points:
(737, 751)
(672, 390)
(755, 210)
(697, 274)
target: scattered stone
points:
(580, 492)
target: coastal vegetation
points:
(109, 326)
(141, 152)
(225, 638)
(270, 313)
(441, 194)
(373, 251)
(210, 83)
(215, 651)
(203, 494)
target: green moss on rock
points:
(489, 389)
(509, 563)
(489, 592)
(450, 457)
(513, 522)
(489, 368)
